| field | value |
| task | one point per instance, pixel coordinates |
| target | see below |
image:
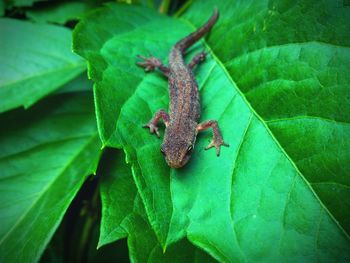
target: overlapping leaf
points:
(20, 3)
(46, 154)
(34, 61)
(59, 13)
(257, 201)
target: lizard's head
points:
(178, 145)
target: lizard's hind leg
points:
(198, 58)
(151, 63)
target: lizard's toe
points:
(211, 145)
(152, 128)
(149, 64)
(217, 145)
(149, 68)
(203, 55)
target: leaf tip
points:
(99, 245)
(164, 249)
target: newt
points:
(181, 124)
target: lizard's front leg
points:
(151, 63)
(198, 58)
(152, 124)
(217, 140)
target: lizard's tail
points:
(188, 41)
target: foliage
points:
(59, 13)
(276, 78)
(32, 71)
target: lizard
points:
(181, 124)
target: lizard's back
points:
(184, 109)
(184, 95)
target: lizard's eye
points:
(189, 149)
(162, 150)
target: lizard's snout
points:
(177, 163)
(176, 166)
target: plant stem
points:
(183, 8)
(164, 6)
(88, 227)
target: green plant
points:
(277, 78)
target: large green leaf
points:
(276, 80)
(34, 61)
(123, 215)
(46, 154)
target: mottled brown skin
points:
(184, 111)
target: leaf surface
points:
(123, 215)
(46, 154)
(261, 188)
(112, 70)
(32, 70)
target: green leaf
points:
(123, 215)
(34, 61)
(59, 13)
(46, 154)
(270, 65)
(113, 78)
(118, 193)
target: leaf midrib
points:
(267, 128)
(44, 73)
(303, 117)
(38, 146)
